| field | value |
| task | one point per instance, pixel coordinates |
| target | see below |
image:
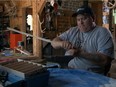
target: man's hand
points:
(72, 52)
(59, 43)
(66, 45)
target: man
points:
(91, 45)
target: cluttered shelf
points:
(9, 55)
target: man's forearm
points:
(59, 43)
(97, 58)
(56, 43)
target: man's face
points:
(84, 22)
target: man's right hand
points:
(59, 43)
(66, 45)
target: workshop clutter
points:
(14, 38)
(23, 74)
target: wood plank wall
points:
(20, 21)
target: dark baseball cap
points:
(84, 10)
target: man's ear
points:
(94, 23)
(94, 18)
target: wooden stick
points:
(22, 51)
(43, 39)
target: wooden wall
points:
(97, 8)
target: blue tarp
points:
(78, 78)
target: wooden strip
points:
(43, 39)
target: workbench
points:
(78, 78)
(60, 77)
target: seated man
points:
(91, 45)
